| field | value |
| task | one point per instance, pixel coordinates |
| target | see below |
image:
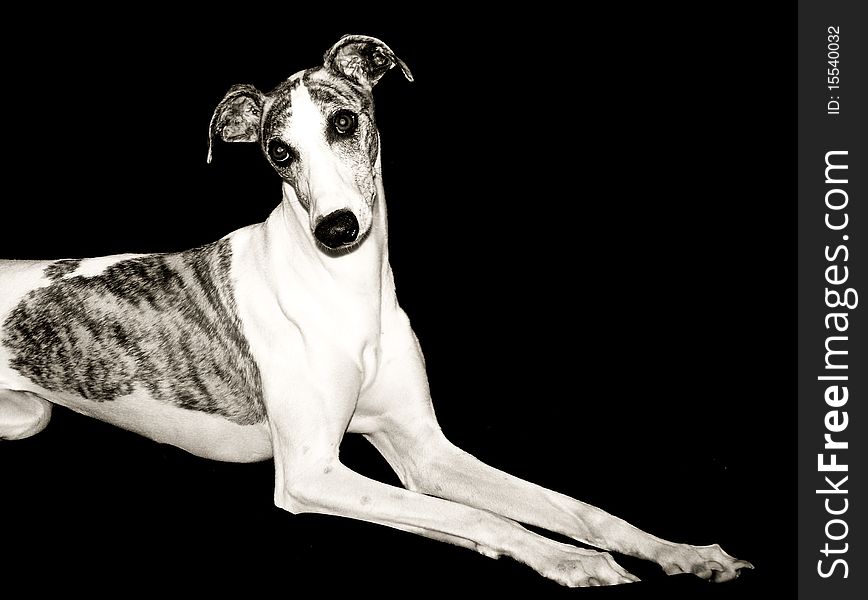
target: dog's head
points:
(317, 130)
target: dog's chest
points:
(165, 324)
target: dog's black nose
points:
(337, 229)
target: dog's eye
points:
(344, 122)
(279, 152)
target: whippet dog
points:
(280, 337)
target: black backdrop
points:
(590, 230)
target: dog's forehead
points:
(309, 95)
(326, 88)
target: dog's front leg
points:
(433, 465)
(310, 405)
(402, 425)
(331, 488)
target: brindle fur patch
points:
(59, 268)
(166, 323)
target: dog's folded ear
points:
(236, 118)
(363, 59)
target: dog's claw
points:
(707, 562)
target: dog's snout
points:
(338, 229)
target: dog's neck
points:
(363, 275)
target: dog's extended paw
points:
(707, 562)
(584, 568)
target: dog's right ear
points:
(237, 117)
(363, 59)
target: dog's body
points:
(282, 336)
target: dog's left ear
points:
(236, 118)
(363, 59)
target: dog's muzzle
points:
(337, 229)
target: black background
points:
(591, 230)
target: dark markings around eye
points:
(323, 94)
(166, 323)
